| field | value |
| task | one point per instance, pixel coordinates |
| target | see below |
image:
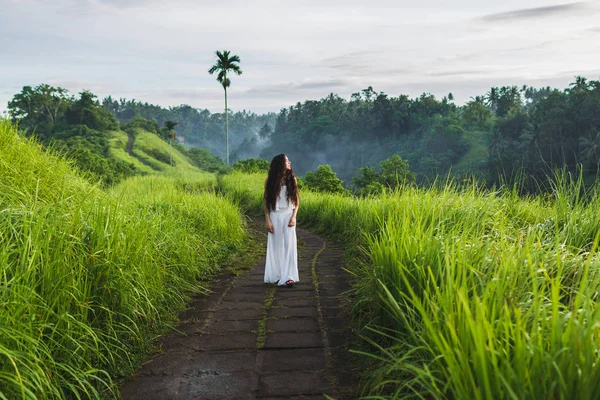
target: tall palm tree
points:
(224, 65)
(491, 98)
(580, 84)
(170, 125)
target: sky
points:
(160, 51)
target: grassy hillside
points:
(468, 294)
(117, 143)
(155, 151)
(149, 152)
(88, 278)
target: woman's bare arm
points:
(297, 205)
(268, 223)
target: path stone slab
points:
(292, 359)
(257, 288)
(240, 305)
(229, 385)
(237, 315)
(243, 283)
(293, 340)
(309, 397)
(333, 302)
(332, 312)
(231, 326)
(290, 383)
(187, 329)
(328, 292)
(294, 292)
(333, 287)
(168, 376)
(293, 312)
(196, 315)
(336, 323)
(336, 338)
(293, 325)
(292, 302)
(234, 341)
(245, 296)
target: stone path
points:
(251, 340)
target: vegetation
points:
(90, 277)
(394, 174)
(461, 291)
(324, 180)
(467, 293)
(90, 136)
(78, 128)
(225, 65)
(201, 128)
(251, 165)
(499, 135)
(170, 126)
(204, 160)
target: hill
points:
(146, 151)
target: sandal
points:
(289, 283)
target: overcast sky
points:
(160, 51)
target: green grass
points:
(89, 278)
(117, 142)
(468, 293)
(146, 143)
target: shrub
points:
(324, 180)
(251, 165)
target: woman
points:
(281, 203)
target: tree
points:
(395, 172)
(580, 84)
(324, 180)
(265, 132)
(170, 125)
(590, 148)
(251, 165)
(224, 65)
(475, 114)
(87, 111)
(368, 181)
(491, 98)
(43, 105)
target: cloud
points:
(537, 12)
(366, 63)
(463, 72)
(291, 87)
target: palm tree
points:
(590, 147)
(491, 98)
(224, 65)
(170, 125)
(580, 84)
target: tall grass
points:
(470, 293)
(89, 278)
(146, 144)
(116, 149)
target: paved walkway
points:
(251, 340)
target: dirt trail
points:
(251, 340)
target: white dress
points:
(282, 252)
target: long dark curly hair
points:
(277, 174)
